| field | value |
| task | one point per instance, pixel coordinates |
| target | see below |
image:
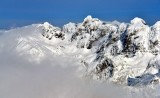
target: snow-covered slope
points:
(123, 53)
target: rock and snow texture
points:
(124, 53)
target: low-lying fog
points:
(56, 78)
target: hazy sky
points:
(58, 12)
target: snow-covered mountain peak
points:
(49, 31)
(91, 23)
(113, 51)
(88, 18)
(114, 45)
(156, 26)
(138, 21)
(47, 25)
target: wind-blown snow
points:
(44, 61)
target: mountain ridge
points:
(114, 40)
(124, 53)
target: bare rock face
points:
(114, 46)
(105, 68)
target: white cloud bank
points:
(49, 79)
